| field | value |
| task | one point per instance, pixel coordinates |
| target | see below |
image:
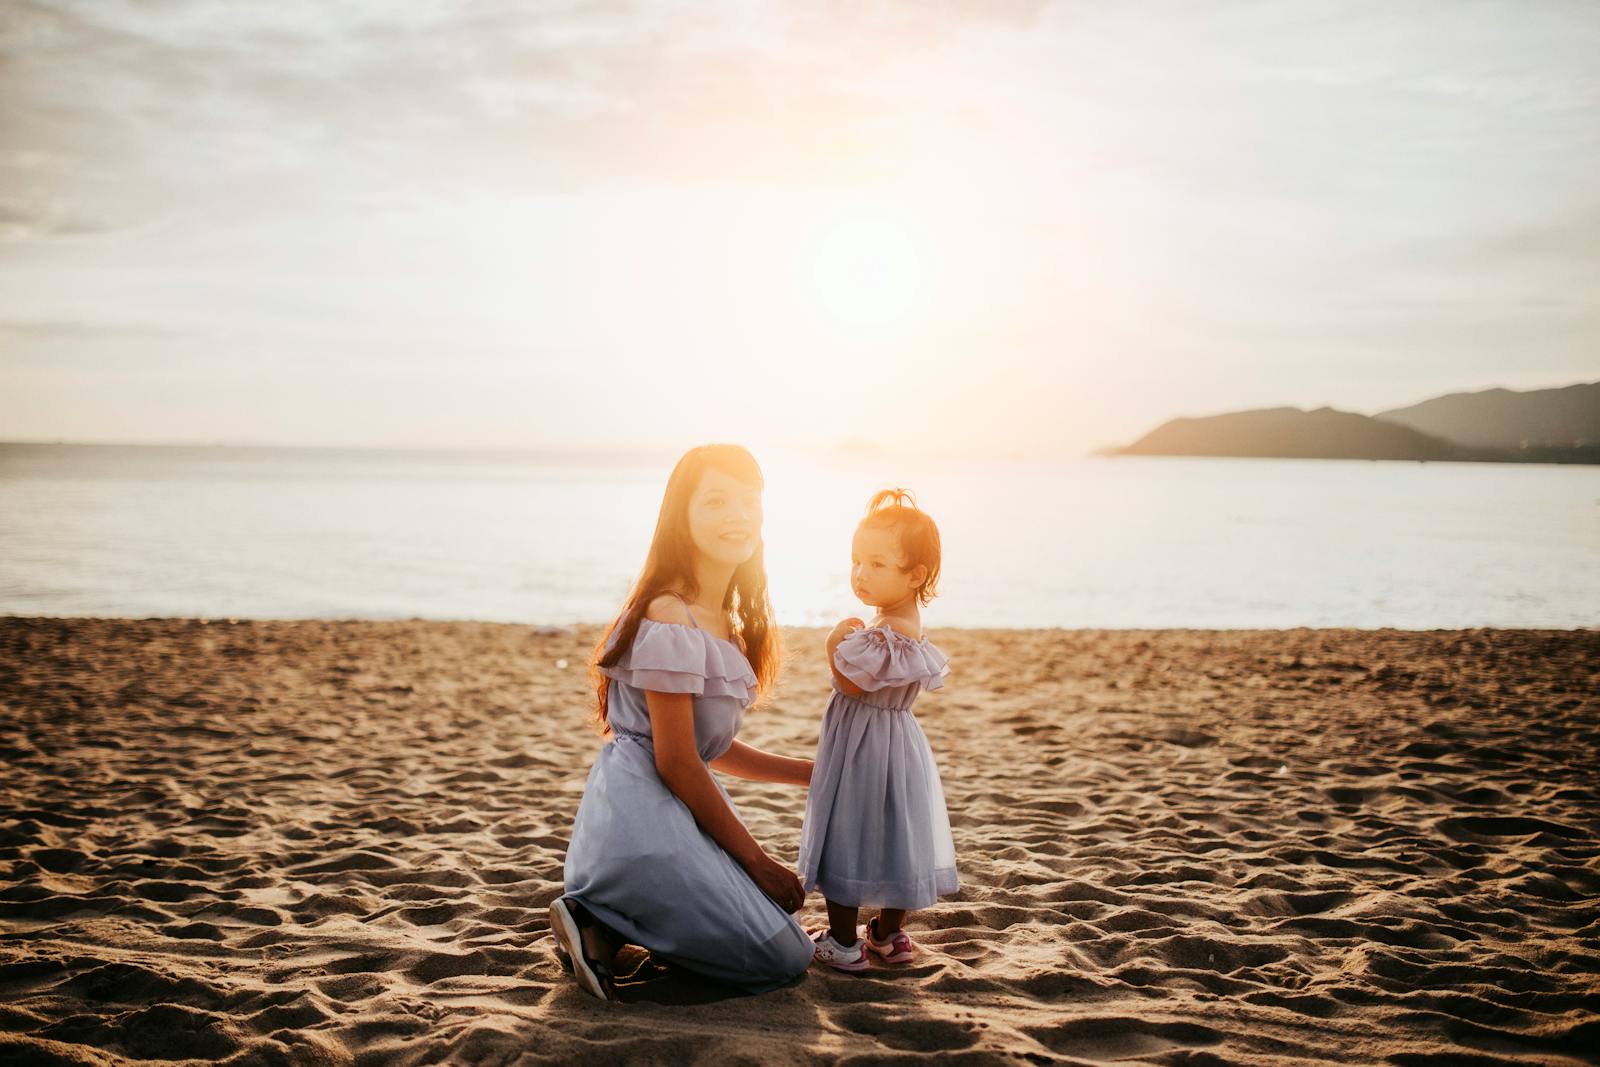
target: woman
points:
(659, 857)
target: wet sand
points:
(334, 842)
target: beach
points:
(334, 843)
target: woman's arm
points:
(743, 761)
(678, 763)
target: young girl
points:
(876, 831)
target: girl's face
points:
(725, 518)
(878, 573)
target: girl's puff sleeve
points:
(885, 658)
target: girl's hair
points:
(669, 567)
(897, 509)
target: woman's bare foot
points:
(599, 942)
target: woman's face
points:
(725, 518)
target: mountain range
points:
(1560, 425)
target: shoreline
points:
(334, 841)
(559, 629)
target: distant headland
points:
(1560, 425)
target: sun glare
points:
(832, 292)
(830, 270)
(862, 269)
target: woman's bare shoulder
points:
(668, 608)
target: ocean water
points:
(554, 539)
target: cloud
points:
(1209, 194)
(183, 95)
(77, 329)
(23, 220)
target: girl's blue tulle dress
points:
(638, 861)
(876, 831)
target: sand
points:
(334, 842)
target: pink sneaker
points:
(897, 948)
(839, 957)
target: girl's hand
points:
(845, 628)
(779, 883)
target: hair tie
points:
(897, 497)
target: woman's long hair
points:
(669, 567)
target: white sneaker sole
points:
(570, 942)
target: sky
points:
(998, 228)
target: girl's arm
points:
(743, 761)
(678, 763)
(840, 632)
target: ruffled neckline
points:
(703, 632)
(881, 657)
(670, 657)
(892, 632)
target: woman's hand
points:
(678, 764)
(779, 883)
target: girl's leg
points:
(842, 923)
(890, 922)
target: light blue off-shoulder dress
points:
(638, 861)
(876, 830)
